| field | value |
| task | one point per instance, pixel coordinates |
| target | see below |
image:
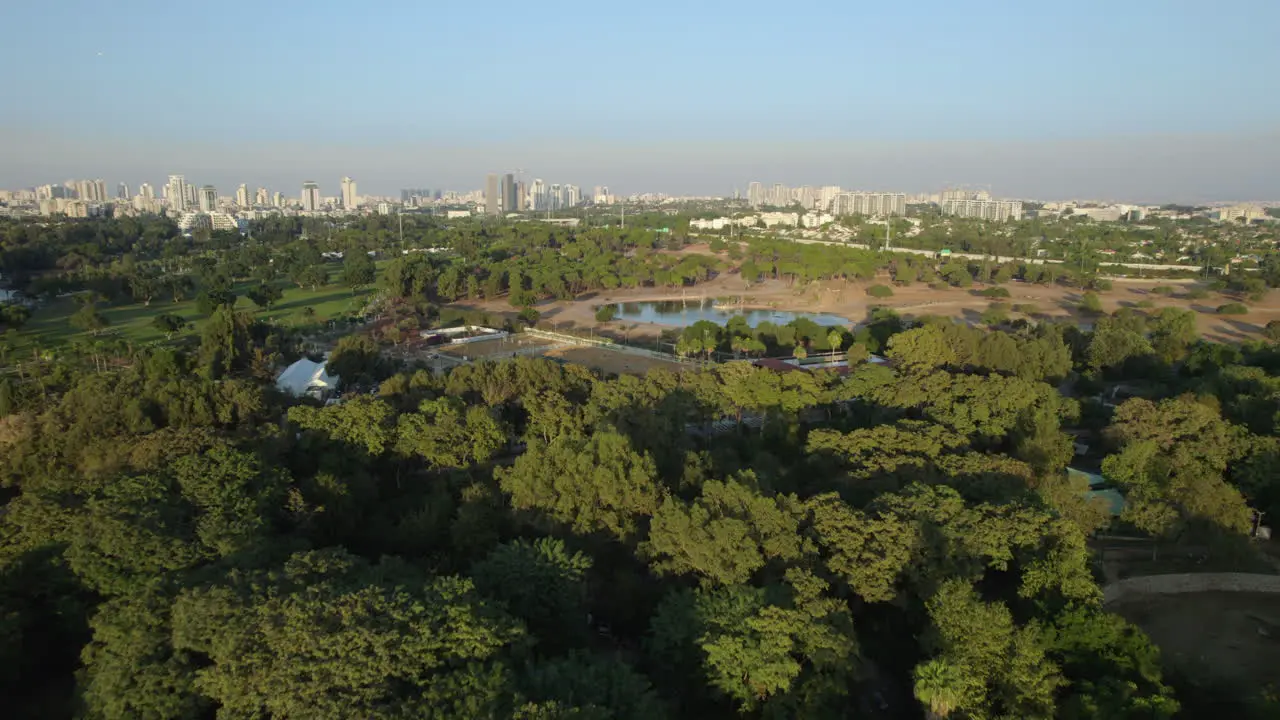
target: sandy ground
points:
(851, 301)
(1233, 636)
(613, 361)
(492, 348)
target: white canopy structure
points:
(306, 377)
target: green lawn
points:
(50, 326)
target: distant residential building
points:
(719, 223)
(457, 214)
(786, 219)
(310, 196)
(1240, 213)
(349, 198)
(983, 209)
(122, 192)
(522, 197)
(208, 199)
(780, 195)
(262, 197)
(384, 208)
(755, 194)
(492, 194)
(813, 220)
(869, 204)
(509, 203)
(242, 196)
(959, 194)
(277, 199)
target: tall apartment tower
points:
(349, 197)
(208, 199)
(310, 196)
(242, 196)
(509, 203)
(492, 195)
(176, 193)
(262, 197)
(755, 194)
(122, 192)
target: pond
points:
(679, 313)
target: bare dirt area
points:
(612, 361)
(1232, 637)
(496, 348)
(851, 301)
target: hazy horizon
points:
(1133, 103)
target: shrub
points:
(529, 316)
(605, 313)
(1162, 290)
(1273, 331)
(994, 292)
(1091, 304)
(1100, 284)
(1146, 304)
(1233, 309)
(1027, 308)
(1197, 294)
(996, 314)
(880, 291)
(938, 286)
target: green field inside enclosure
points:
(50, 325)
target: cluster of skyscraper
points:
(504, 194)
(828, 198)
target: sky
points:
(1138, 100)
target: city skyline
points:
(1130, 101)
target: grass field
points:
(50, 326)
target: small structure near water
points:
(307, 377)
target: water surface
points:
(679, 313)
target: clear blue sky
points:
(691, 96)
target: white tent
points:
(306, 377)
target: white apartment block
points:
(869, 204)
(983, 209)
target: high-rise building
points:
(208, 199)
(755, 194)
(554, 201)
(492, 195)
(983, 209)
(242, 196)
(277, 199)
(780, 196)
(869, 204)
(122, 192)
(538, 195)
(192, 201)
(176, 193)
(310, 196)
(262, 197)
(146, 191)
(509, 193)
(349, 197)
(572, 195)
(522, 197)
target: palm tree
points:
(939, 685)
(835, 339)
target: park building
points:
(983, 209)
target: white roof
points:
(304, 375)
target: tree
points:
(329, 636)
(940, 687)
(543, 584)
(605, 313)
(590, 484)
(356, 360)
(357, 270)
(265, 295)
(209, 301)
(312, 276)
(1273, 330)
(880, 291)
(13, 315)
(89, 318)
(1091, 304)
(169, 324)
(835, 339)
(226, 341)
(725, 536)
(858, 354)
